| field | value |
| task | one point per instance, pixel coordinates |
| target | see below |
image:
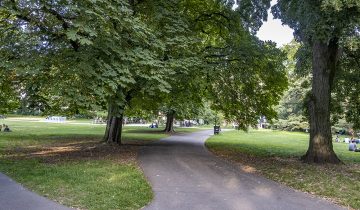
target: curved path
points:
(184, 175)
(15, 197)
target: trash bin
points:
(216, 129)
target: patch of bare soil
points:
(77, 150)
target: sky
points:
(273, 30)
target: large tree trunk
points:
(114, 124)
(324, 64)
(170, 121)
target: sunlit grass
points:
(84, 184)
(267, 143)
(276, 154)
(69, 163)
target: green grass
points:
(276, 154)
(267, 143)
(69, 164)
(84, 184)
(34, 132)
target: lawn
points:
(276, 154)
(69, 163)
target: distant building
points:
(262, 122)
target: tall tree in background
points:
(290, 110)
(322, 26)
(185, 99)
(346, 91)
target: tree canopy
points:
(65, 56)
(324, 28)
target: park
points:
(179, 104)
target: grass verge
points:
(69, 164)
(276, 154)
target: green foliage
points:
(208, 115)
(319, 19)
(246, 90)
(234, 66)
(346, 91)
(181, 58)
(292, 102)
(292, 123)
(9, 100)
(99, 54)
(244, 77)
(253, 13)
(82, 53)
(325, 22)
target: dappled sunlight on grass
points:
(70, 164)
(268, 143)
(74, 151)
(248, 169)
(276, 155)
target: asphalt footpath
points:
(184, 175)
(15, 197)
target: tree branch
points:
(27, 18)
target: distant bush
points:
(293, 123)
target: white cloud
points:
(273, 30)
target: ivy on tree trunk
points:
(325, 57)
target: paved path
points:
(184, 175)
(15, 197)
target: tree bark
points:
(170, 121)
(324, 64)
(114, 124)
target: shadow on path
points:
(185, 175)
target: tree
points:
(184, 101)
(243, 91)
(182, 56)
(346, 93)
(170, 27)
(224, 44)
(322, 26)
(90, 54)
(291, 107)
(8, 99)
(244, 76)
(107, 53)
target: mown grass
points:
(37, 132)
(69, 163)
(84, 184)
(276, 155)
